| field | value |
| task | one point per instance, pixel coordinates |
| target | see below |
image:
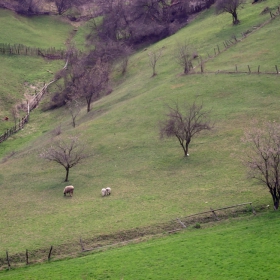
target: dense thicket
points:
(145, 21)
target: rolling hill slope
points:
(151, 181)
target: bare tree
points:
(154, 56)
(184, 55)
(263, 157)
(67, 153)
(230, 6)
(184, 123)
(93, 82)
(63, 5)
(74, 107)
(124, 59)
(86, 76)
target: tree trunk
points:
(186, 69)
(276, 202)
(186, 149)
(234, 18)
(88, 106)
(67, 174)
(275, 197)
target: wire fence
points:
(20, 49)
(135, 235)
(219, 49)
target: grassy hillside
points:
(25, 74)
(151, 181)
(235, 249)
(36, 31)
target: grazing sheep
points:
(103, 192)
(68, 189)
(108, 191)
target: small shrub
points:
(57, 131)
(265, 11)
(197, 225)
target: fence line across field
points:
(31, 105)
(20, 49)
(29, 257)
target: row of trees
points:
(184, 123)
(134, 20)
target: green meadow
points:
(234, 249)
(151, 181)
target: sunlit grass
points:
(235, 249)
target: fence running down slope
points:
(31, 105)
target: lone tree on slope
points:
(154, 56)
(184, 53)
(67, 153)
(263, 157)
(184, 123)
(230, 6)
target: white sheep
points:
(103, 192)
(108, 191)
(68, 189)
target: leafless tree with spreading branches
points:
(74, 107)
(184, 55)
(154, 56)
(92, 83)
(67, 153)
(184, 123)
(263, 156)
(230, 6)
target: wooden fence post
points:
(216, 217)
(50, 252)
(249, 69)
(236, 68)
(26, 255)
(182, 224)
(82, 245)
(8, 260)
(253, 210)
(201, 65)
(259, 69)
(276, 69)
(27, 107)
